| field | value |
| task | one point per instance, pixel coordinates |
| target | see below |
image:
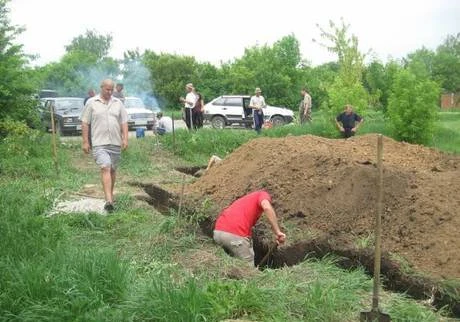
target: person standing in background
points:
(257, 103)
(189, 103)
(91, 93)
(305, 107)
(197, 111)
(118, 93)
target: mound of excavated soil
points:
(330, 186)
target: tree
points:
(275, 69)
(91, 43)
(347, 87)
(412, 108)
(16, 86)
(169, 74)
(446, 64)
(84, 66)
(318, 80)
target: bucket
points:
(140, 132)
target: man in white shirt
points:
(165, 124)
(257, 103)
(107, 118)
(189, 103)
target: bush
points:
(412, 108)
(341, 94)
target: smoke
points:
(137, 81)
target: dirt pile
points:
(330, 186)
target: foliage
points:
(446, 64)
(16, 83)
(91, 43)
(169, 74)
(412, 108)
(442, 65)
(318, 81)
(273, 69)
(347, 87)
(82, 67)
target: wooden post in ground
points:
(53, 139)
(173, 133)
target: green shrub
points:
(412, 108)
(342, 93)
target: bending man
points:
(233, 229)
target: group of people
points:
(193, 107)
(347, 122)
(105, 134)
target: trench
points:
(349, 257)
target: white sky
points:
(215, 31)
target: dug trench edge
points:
(395, 279)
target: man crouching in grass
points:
(108, 119)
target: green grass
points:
(139, 265)
(447, 134)
(197, 147)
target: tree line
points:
(279, 69)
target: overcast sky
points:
(216, 31)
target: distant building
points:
(450, 100)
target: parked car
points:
(67, 112)
(45, 93)
(138, 114)
(234, 109)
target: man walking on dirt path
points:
(257, 103)
(233, 229)
(108, 119)
(305, 107)
(348, 121)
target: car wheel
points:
(218, 122)
(59, 130)
(277, 120)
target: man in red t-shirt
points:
(233, 229)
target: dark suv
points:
(67, 113)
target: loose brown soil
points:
(329, 187)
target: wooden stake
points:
(53, 138)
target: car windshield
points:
(71, 104)
(133, 102)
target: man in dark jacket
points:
(348, 121)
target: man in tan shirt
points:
(108, 119)
(305, 107)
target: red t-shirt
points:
(242, 214)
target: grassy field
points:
(198, 146)
(140, 265)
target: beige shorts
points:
(107, 156)
(237, 246)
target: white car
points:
(138, 114)
(233, 109)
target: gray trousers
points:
(238, 246)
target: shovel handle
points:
(378, 224)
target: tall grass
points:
(447, 132)
(131, 266)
